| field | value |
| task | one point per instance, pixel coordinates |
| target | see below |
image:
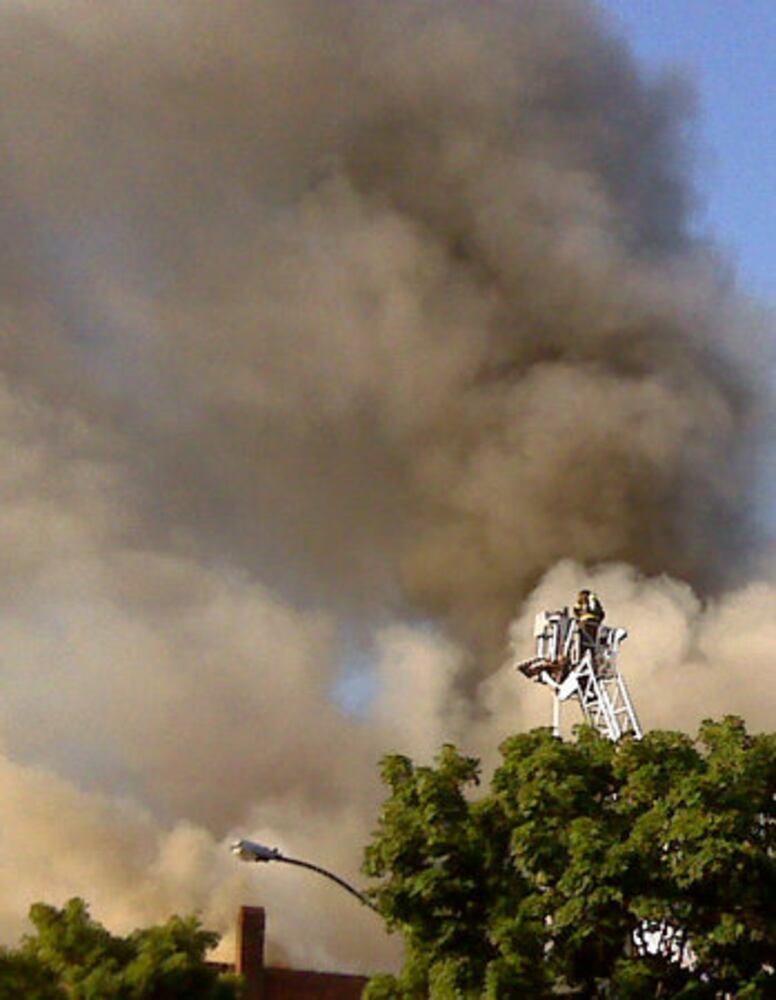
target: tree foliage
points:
(631, 870)
(70, 956)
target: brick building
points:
(263, 982)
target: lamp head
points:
(249, 850)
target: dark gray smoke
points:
(320, 316)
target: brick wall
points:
(291, 984)
(266, 983)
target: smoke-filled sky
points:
(334, 334)
(727, 51)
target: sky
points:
(727, 49)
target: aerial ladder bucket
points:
(578, 668)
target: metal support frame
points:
(588, 675)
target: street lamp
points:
(249, 850)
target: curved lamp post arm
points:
(334, 878)
(249, 850)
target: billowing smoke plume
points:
(331, 330)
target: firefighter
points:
(589, 613)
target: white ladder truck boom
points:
(579, 663)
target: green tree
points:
(70, 956)
(592, 869)
(21, 976)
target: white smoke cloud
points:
(685, 659)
